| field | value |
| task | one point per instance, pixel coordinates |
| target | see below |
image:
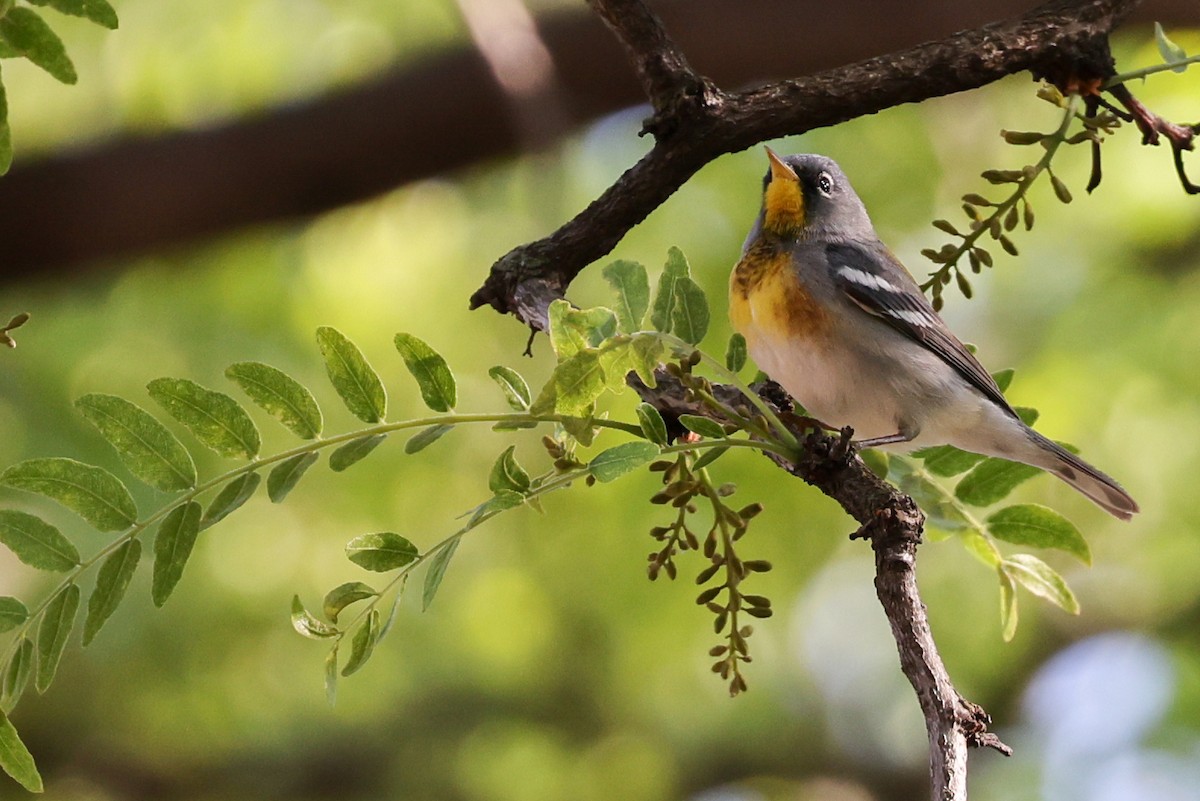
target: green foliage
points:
(231, 497)
(172, 546)
(12, 613)
(381, 552)
(112, 581)
(57, 621)
(597, 351)
(611, 464)
(285, 475)
(24, 34)
(353, 378)
(93, 493)
(36, 542)
(214, 418)
(280, 395)
(999, 219)
(354, 451)
(984, 482)
(146, 446)
(15, 758)
(431, 371)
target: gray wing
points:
(893, 297)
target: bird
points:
(830, 314)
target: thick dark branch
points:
(1055, 40)
(667, 78)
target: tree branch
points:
(1065, 37)
(1065, 41)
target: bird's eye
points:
(825, 184)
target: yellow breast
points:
(768, 302)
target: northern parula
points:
(836, 319)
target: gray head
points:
(807, 196)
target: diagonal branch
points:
(893, 523)
(1057, 38)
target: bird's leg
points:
(890, 439)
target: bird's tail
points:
(1100, 488)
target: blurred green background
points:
(549, 667)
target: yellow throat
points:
(783, 201)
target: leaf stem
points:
(731, 378)
(1145, 72)
(260, 462)
(941, 275)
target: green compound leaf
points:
(353, 378)
(172, 547)
(507, 473)
(1041, 580)
(1038, 527)
(19, 668)
(230, 499)
(631, 286)
(735, 353)
(690, 314)
(214, 418)
(283, 476)
(111, 583)
(662, 314)
(27, 34)
(703, 426)
(433, 375)
(992, 480)
(53, 633)
(306, 625)
(437, 571)
(354, 452)
(1008, 606)
(363, 644)
(6, 148)
(98, 11)
(15, 758)
(425, 437)
(146, 446)
(343, 595)
(380, 552)
(947, 460)
(621, 459)
(515, 390)
(577, 382)
(280, 395)
(36, 542)
(93, 493)
(12, 613)
(652, 424)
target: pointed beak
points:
(780, 169)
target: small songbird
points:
(836, 319)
